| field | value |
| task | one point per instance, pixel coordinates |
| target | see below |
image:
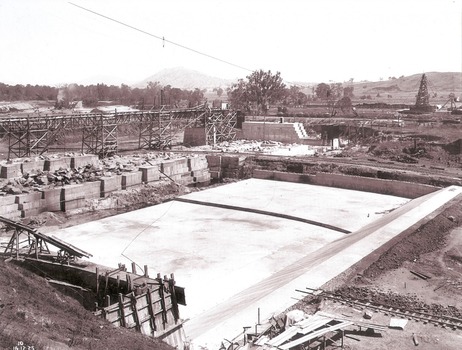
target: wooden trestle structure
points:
(148, 305)
(34, 135)
(36, 243)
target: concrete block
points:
(131, 179)
(213, 161)
(231, 162)
(54, 164)
(174, 166)
(281, 176)
(231, 173)
(359, 183)
(71, 192)
(92, 189)
(13, 215)
(215, 174)
(197, 163)
(53, 198)
(84, 160)
(194, 137)
(9, 171)
(8, 199)
(28, 197)
(110, 184)
(32, 167)
(31, 212)
(149, 173)
(8, 208)
(32, 205)
(202, 178)
(74, 204)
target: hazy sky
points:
(53, 42)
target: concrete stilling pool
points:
(250, 244)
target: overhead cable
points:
(162, 38)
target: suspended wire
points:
(143, 230)
(163, 39)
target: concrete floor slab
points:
(220, 255)
(274, 294)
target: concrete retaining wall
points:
(174, 166)
(357, 183)
(131, 179)
(281, 176)
(390, 187)
(9, 171)
(149, 173)
(52, 197)
(9, 208)
(110, 184)
(84, 160)
(57, 163)
(73, 196)
(186, 171)
(33, 166)
(92, 189)
(283, 132)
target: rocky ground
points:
(435, 250)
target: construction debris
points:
(397, 323)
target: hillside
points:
(437, 81)
(40, 316)
(183, 78)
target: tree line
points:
(260, 89)
(154, 94)
(255, 93)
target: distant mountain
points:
(183, 78)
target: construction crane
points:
(452, 104)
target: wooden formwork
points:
(151, 309)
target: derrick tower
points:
(422, 103)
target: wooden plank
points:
(314, 325)
(136, 316)
(314, 335)
(284, 336)
(122, 311)
(151, 310)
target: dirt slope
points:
(33, 312)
